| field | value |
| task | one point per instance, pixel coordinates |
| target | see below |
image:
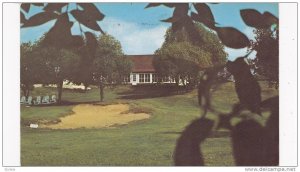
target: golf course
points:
(134, 126)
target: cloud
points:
(135, 38)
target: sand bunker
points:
(96, 116)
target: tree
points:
(28, 69)
(110, 66)
(85, 74)
(53, 66)
(47, 65)
(208, 41)
(266, 44)
(182, 58)
(60, 35)
(184, 17)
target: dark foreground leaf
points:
(248, 143)
(51, 7)
(269, 19)
(77, 41)
(92, 11)
(170, 20)
(204, 12)
(22, 17)
(40, 18)
(255, 19)
(232, 37)
(91, 43)
(25, 7)
(252, 18)
(86, 19)
(205, 21)
(187, 151)
(180, 16)
(60, 34)
(38, 4)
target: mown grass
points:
(148, 142)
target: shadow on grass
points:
(152, 91)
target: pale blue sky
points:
(140, 31)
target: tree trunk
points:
(185, 85)
(85, 87)
(24, 91)
(101, 89)
(177, 85)
(59, 91)
(27, 92)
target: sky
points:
(140, 30)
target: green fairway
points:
(148, 142)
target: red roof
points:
(142, 63)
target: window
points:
(142, 78)
(134, 77)
(173, 80)
(166, 79)
(147, 77)
(154, 78)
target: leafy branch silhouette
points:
(253, 144)
(60, 35)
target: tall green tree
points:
(266, 44)
(49, 66)
(110, 65)
(60, 35)
(182, 58)
(85, 74)
(208, 41)
(29, 68)
(42, 64)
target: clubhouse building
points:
(143, 71)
